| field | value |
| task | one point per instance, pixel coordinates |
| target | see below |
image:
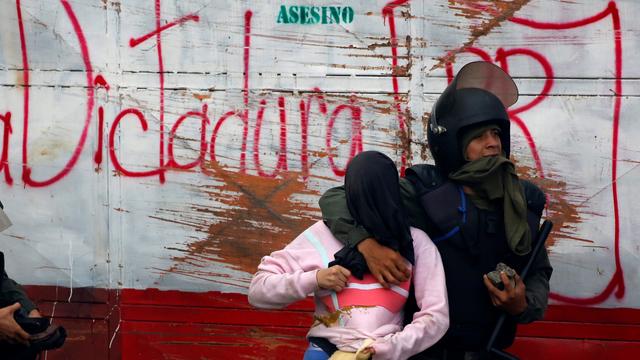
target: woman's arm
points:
(432, 321)
(293, 273)
(285, 276)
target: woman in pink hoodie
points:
(353, 312)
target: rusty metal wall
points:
(170, 144)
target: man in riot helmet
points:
(475, 209)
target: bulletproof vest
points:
(471, 242)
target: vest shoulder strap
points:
(424, 178)
(442, 200)
(445, 204)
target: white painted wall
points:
(203, 229)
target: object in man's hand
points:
(495, 278)
(42, 335)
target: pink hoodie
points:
(289, 275)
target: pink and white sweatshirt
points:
(364, 309)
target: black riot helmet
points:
(480, 94)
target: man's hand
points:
(333, 278)
(387, 265)
(511, 299)
(35, 314)
(10, 331)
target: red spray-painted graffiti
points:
(135, 42)
(26, 172)
(97, 157)
(615, 286)
(617, 281)
(167, 161)
(4, 158)
(387, 13)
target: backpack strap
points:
(442, 200)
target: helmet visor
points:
(487, 76)
(4, 221)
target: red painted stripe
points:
(563, 330)
(150, 324)
(197, 313)
(570, 313)
(387, 298)
(207, 299)
(562, 349)
(179, 341)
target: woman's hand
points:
(333, 278)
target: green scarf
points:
(493, 178)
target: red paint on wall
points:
(133, 42)
(112, 149)
(4, 157)
(356, 135)
(151, 323)
(100, 82)
(388, 13)
(204, 121)
(26, 173)
(616, 285)
(282, 153)
(97, 157)
(305, 111)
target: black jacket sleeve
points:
(11, 292)
(537, 281)
(336, 216)
(537, 289)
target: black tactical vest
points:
(471, 242)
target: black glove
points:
(43, 335)
(351, 259)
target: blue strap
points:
(463, 209)
(325, 259)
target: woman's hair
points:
(373, 197)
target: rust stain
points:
(374, 46)
(379, 105)
(115, 4)
(192, 272)
(19, 79)
(405, 14)
(256, 337)
(330, 319)
(272, 341)
(425, 152)
(405, 70)
(491, 14)
(406, 135)
(564, 207)
(259, 216)
(121, 210)
(202, 97)
(378, 56)
(353, 67)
